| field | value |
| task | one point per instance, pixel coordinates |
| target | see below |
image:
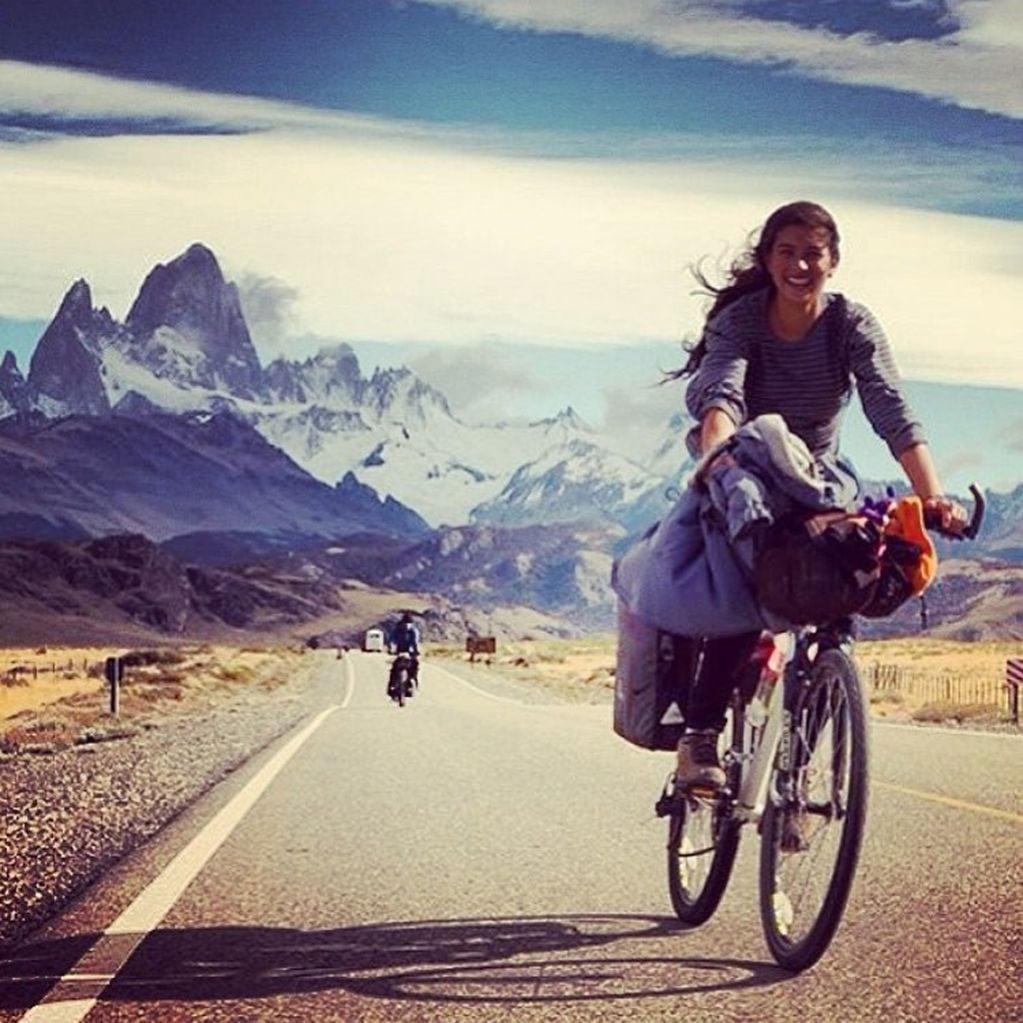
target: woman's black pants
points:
(707, 673)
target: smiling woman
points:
(776, 345)
(780, 345)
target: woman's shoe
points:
(697, 765)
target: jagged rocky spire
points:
(64, 370)
(14, 393)
(190, 298)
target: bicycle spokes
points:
(813, 825)
(702, 841)
(812, 804)
(820, 780)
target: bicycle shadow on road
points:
(575, 958)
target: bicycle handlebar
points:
(969, 532)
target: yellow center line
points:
(959, 804)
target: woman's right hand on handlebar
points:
(950, 518)
(946, 515)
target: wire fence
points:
(37, 670)
(925, 687)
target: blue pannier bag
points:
(648, 704)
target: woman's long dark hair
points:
(748, 271)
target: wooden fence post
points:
(114, 668)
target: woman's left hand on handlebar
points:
(947, 514)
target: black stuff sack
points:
(819, 569)
(651, 677)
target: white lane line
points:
(61, 1012)
(350, 676)
(153, 904)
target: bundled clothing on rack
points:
(693, 573)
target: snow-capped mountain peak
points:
(577, 480)
(64, 372)
(186, 325)
(185, 347)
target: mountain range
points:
(184, 348)
(169, 426)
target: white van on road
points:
(373, 642)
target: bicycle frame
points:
(765, 746)
(759, 754)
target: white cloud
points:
(48, 93)
(268, 307)
(990, 23)
(373, 230)
(481, 381)
(637, 410)
(42, 91)
(943, 287)
(975, 65)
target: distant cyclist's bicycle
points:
(401, 683)
(796, 761)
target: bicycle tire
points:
(824, 789)
(696, 883)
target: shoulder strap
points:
(838, 338)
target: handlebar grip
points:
(978, 513)
(932, 520)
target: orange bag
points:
(907, 523)
(909, 562)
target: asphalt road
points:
(470, 857)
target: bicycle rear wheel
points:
(703, 837)
(813, 824)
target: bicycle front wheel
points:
(813, 823)
(703, 837)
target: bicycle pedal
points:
(668, 804)
(670, 800)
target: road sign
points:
(1013, 682)
(480, 645)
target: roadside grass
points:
(975, 713)
(158, 684)
(886, 696)
(581, 669)
(68, 705)
(915, 668)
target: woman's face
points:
(800, 262)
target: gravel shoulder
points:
(67, 816)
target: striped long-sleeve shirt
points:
(800, 379)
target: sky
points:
(508, 195)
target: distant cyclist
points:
(405, 640)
